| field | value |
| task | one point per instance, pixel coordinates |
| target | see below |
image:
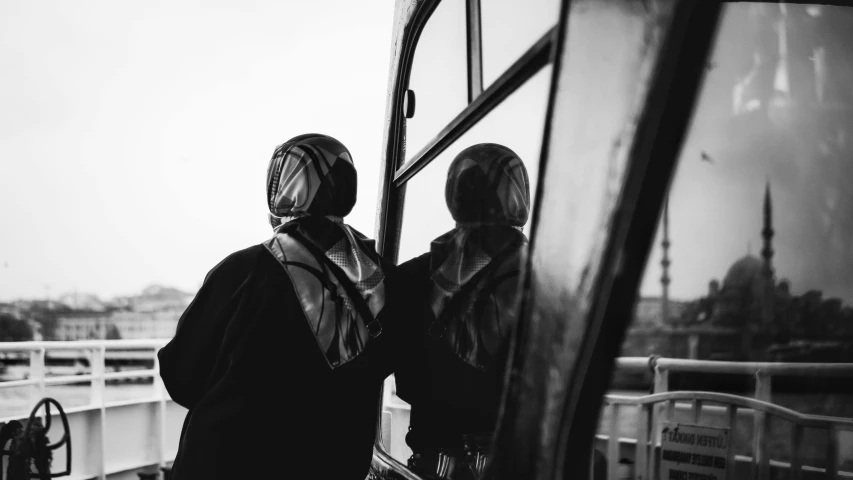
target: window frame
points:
(655, 146)
(410, 19)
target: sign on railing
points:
(693, 452)
(652, 443)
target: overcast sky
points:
(134, 137)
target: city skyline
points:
(74, 298)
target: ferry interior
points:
(686, 309)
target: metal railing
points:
(644, 466)
(762, 371)
(96, 350)
(759, 407)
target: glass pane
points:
(439, 75)
(511, 27)
(752, 260)
(517, 124)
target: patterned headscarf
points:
(310, 174)
(311, 185)
(476, 266)
(487, 184)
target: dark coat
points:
(262, 401)
(449, 397)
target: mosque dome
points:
(743, 273)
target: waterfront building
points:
(750, 316)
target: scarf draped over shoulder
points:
(475, 269)
(311, 186)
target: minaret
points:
(768, 308)
(664, 279)
(767, 234)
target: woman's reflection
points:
(462, 300)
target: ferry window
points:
(439, 75)
(509, 28)
(518, 124)
(752, 262)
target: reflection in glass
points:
(439, 75)
(516, 123)
(753, 259)
(462, 299)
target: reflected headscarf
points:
(311, 186)
(475, 268)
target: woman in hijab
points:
(463, 298)
(280, 357)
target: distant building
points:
(83, 301)
(751, 316)
(11, 309)
(144, 325)
(157, 298)
(649, 312)
(30, 306)
(36, 329)
(153, 314)
(81, 325)
(88, 325)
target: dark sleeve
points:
(391, 333)
(187, 361)
(411, 282)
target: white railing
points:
(93, 433)
(763, 373)
(96, 458)
(732, 405)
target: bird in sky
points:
(707, 158)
